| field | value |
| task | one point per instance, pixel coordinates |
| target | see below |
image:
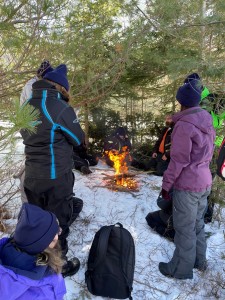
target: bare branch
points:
(201, 24)
(16, 10)
(24, 21)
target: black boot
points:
(77, 208)
(71, 267)
(165, 270)
(64, 247)
(63, 239)
(201, 266)
(209, 213)
(85, 170)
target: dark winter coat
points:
(114, 142)
(49, 150)
(24, 280)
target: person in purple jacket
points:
(189, 175)
(30, 261)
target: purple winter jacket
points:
(191, 151)
(17, 287)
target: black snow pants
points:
(55, 195)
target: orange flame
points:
(120, 159)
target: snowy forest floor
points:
(105, 207)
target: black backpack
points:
(221, 161)
(111, 263)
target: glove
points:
(165, 195)
(164, 157)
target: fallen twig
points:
(151, 287)
(117, 189)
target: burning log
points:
(117, 188)
(129, 175)
(122, 179)
(121, 182)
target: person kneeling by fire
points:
(118, 143)
(161, 220)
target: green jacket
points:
(217, 118)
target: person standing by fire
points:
(26, 94)
(189, 176)
(49, 178)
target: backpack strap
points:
(102, 245)
(121, 264)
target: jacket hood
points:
(40, 85)
(196, 116)
(19, 262)
(19, 286)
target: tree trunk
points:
(174, 101)
(126, 108)
(86, 124)
(142, 111)
(203, 31)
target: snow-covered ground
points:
(105, 207)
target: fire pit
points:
(122, 180)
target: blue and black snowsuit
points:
(48, 168)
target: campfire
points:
(122, 179)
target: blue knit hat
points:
(59, 75)
(191, 77)
(121, 131)
(204, 91)
(189, 94)
(44, 68)
(36, 229)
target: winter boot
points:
(165, 270)
(201, 266)
(77, 208)
(64, 246)
(209, 213)
(71, 267)
(85, 170)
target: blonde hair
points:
(60, 89)
(51, 257)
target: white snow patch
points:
(105, 207)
